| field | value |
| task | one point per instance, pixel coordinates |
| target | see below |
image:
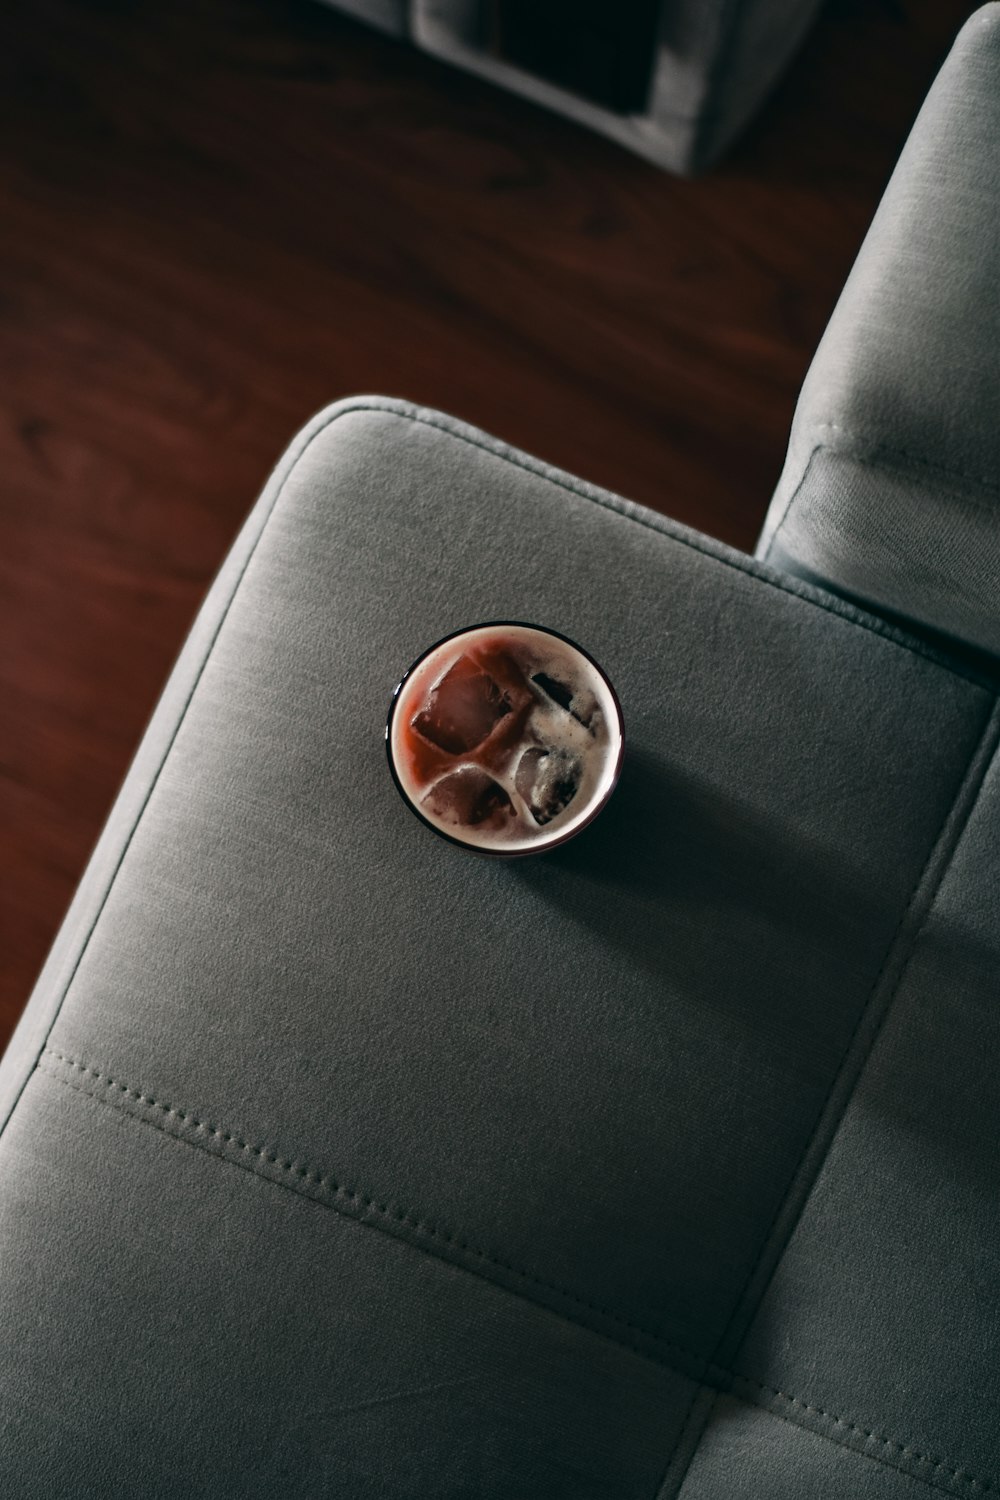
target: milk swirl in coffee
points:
(506, 738)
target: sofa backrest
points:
(891, 490)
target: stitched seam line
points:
(878, 452)
(348, 1200)
(979, 761)
(791, 501)
(874, 461)
(937, 1466)
(891, 955)
(862, 1017)
(363, 1209)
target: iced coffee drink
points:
(506, 738)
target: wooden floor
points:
(215, 218)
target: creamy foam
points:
(506, 738)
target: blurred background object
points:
(674, 80)
(215, 219)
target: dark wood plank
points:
(216, 218)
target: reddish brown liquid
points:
(426, 762)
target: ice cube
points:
(557, 691)
(462, 709)
(548, 780)
(582, 704)
(468, 798)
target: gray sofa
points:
(338, 1162)
(693, 76)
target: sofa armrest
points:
(891, 489)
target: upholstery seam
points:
(878, 452)
(959, 1474)
(724, 1381)
(705, 1383)
(361, 1203)
(890, 954)
(875, 461)
(791, 500)
(980, 753)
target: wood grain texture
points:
(214, 219)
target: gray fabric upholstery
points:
(339, 1161)
(713, 66)
(749, 1454)
(928, 1095)
(175, 1327)
(891, 491)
